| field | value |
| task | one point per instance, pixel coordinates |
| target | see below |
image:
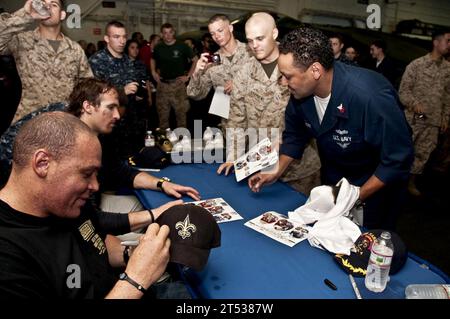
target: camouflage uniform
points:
(259, 102)
(217, 75)
(426, 82)
(7, 139)
(47, 76)
(172, 61)
(172, 94)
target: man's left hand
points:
(177, 191)
(228, 87)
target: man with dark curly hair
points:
(353, 114)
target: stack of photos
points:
(260, 156)
(280, 228)
(219, 208)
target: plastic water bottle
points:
(149, 140)
(379, 265)
(218, 140)
(208, 134)
(186, 143)
(171, 136)
(427, 292)
(41, 7)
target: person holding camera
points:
(425, 93)
(213, 70)
(143, 96)
(144, 90)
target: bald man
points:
(51, 246)
(258, 101)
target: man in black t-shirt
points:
(48, 248)
(172, 65)
(96, 103)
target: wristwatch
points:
(124, 276)
(126, 254)
(359, 204)
(161, 181)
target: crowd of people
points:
(83, 111)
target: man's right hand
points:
(149, 260)
(259, 180)
(201, 63)
(29, 10)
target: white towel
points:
(332, 231)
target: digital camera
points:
(213, 58)
(141, 89)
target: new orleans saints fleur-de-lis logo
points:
(185, 228)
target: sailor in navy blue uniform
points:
(354, 116)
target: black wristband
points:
(152, 216)
(160, 183)
(126, 254)
(124, 276)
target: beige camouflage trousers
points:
(306, 184)
(425, 140)
(172, 95)
(304, 175)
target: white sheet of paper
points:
(220, 104)
(261, 156)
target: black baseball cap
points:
(356, 263)
(193, 232)
(150, 157)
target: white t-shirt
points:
(379, 62)
(321, 106)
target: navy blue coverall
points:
(363, 133)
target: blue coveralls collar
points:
(336, 107)
(111, 56)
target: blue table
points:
(250, 265)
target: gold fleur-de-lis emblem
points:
(185, 228)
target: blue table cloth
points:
(251, 265)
